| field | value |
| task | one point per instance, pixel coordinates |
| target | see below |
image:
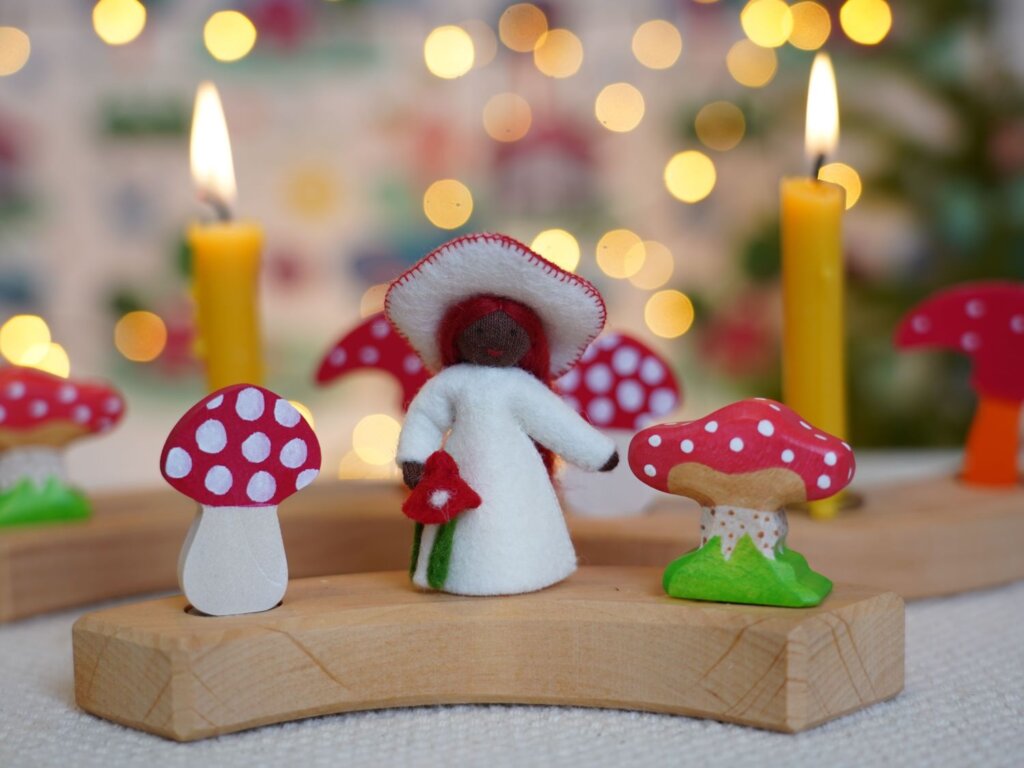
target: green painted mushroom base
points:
(27, 503)
(747, 577)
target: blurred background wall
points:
(639, 143)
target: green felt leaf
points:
(441, 555)
(747, 577)
(27, 503)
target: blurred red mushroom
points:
(374, 345)
(744, 463)
(986, 322)
(619, 385)
(39, 415)
(238, 452)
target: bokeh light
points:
(720, 125)
(372, 300)
(521, 26)
(657, 267)
(140, 336)
(558, 53)
(767, 23)
(507, 117)
(668, 314)
(55, 361)
(229, 35)
(690, 176)
(866, 21)
(306, 413)
(24, 339)
(620, 253)
(846, 177)
(811, 26)
(619, 107)
(448, 52)
(657, 44)
(448, 203)
(375, 438)
(750, 64)
(485, 42)
(118, 21)
(559, 247)
(15, 48)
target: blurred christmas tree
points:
(961, 194)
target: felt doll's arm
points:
(551, 422)
(426, 422)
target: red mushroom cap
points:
(755, 453)
(39, 408)
(620, 383)
(373, 344)
(984, 320)
(242, 446)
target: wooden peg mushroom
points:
(238, 452)
(743, 464)
(40, 414)
(986, 322)
(373, 345)
(619, 385)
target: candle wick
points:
(819, 161)
(220, 208)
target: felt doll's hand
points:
(611, 464)
(412, 472)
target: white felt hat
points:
(570, 308)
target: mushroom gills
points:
(233, 561)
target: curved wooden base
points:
(606, 637)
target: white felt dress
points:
(516, 540)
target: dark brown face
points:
(495, 340)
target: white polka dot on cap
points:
(630, 395)
(626, 360)
(218, 480)
(261, 487)
(249, 405)
(306, 477)
(598, 378)
(178, 463)
(285, 414)
(211, 436)
(256, 447)
(293, 455)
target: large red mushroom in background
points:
(40, 414)
(374, 345)
(985, 321)
(619, 386)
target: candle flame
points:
(213, 170)
(822, 134)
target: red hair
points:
(536, 361)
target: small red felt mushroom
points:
(238, 452)
(373, 345)
(985, 321)
(40, 414)
(743, 464)
(441, 494)
(619, 385)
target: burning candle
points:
(813, 354)
(225, 256)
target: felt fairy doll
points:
(496, 323)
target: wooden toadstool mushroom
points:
(619, 385)
(373, 344)
(985, 321)
(39, 415)
(238, 452)
(743, 464)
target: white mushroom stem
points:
(37, 463)
(766, 529)
(233, 561)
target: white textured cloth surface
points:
(963, 705)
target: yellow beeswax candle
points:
(814, 339)
(225, 256)
(225, 271)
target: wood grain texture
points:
(919, 539)
(606, 637)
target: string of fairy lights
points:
(452, 51)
